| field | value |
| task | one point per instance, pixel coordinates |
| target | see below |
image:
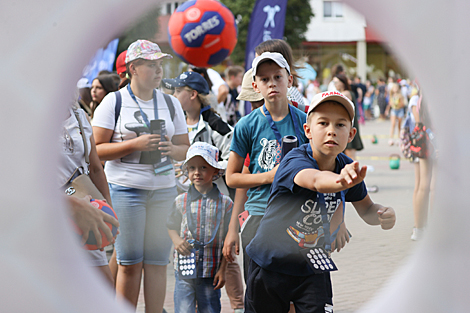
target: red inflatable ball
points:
(91, 242)
(202, 32)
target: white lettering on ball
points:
(200, 30)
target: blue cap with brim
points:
(191, 79)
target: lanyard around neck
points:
(192, 223)
(155, 106)
(323, 207)
(274, 128)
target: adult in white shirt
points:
(141, 190)
(220, 90)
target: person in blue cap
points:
(205, 125)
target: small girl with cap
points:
(197, 225)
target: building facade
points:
(339, 34)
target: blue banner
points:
(267, 22)
(103, 60)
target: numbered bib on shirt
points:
(319, 260)
(187, 265)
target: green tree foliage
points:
(298, 17)
(144, 27)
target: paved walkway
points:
(372, 255)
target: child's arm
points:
(236, 179)
(342, 236)
(374, 213)
(181, 245)
(231, 239)
(219, 278)
(329, 182)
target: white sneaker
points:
(239, 311)
(417, 234)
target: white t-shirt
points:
(192, 131)
(71, 146)
(217, 81)
(413, 102)
(331, 86)
(129, 171)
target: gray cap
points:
(273, 56)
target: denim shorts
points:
(198, 292)
(142, 216)
(400, 113)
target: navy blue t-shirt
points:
(293, 219)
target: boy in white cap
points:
(197, 225)
(260, 134)
(290, 254)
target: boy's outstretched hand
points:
(387, 217)
(352, 174)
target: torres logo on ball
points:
(202, 29)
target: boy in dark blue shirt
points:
(259, 134)
(311, 183)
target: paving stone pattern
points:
(373, 255)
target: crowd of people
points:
(183, 164)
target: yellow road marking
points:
(374, 158)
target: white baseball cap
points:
(83, 83)
(336, 96)
(273, 56)
(207, 152)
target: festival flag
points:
(103, 60)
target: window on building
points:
(332, 9)
(170, 7)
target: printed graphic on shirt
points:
(308, 231)
(270, 154)
(139, 128)
(68, 147)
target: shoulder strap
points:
(82, 132)
(117, 108)
(170, 105)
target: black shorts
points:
(272, 292)
(248, 233)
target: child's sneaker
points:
(417, 234)
(390, 142)
(239, 311)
